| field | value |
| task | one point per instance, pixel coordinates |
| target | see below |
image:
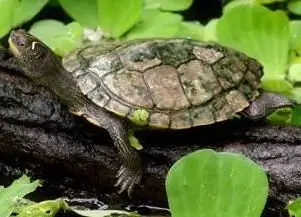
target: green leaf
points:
(295, 35)
(206, 183)
(26, 10)
(294, 7)
(151, 4)
(18, 189)
(235, 3)
(279, 86)
(155, 23)
(48, 208)
(294, 73)
(210, 31)
(168, 5)
(175, 5)
(281, 116)
(296, 113)
(6, 15)
(193, 30)
(82, 11)
(296, 93)
(118, 16)
(294, 207)
(54, 3)
(260, 33)
(267, 1)
(59, 37)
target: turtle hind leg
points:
(130, 172)
(265, 104)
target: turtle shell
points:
(181, 83)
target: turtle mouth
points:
(14, 37)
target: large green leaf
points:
(210, 30)
(294, 74)
(83, 11)
(296, 113)
(168, 5)
(48, 208)
(210, 184)
(295, 33)
(59, 37)
(18, 189)
(175, 5)
(294, 208)
(26, 10)
(156, 23)
(189, 29)
(262, 34)
(294, 7)
(117, 16)
(6, 16)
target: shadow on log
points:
(77, 159)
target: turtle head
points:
(32, 55)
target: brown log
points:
(72, 156)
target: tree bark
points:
(72, 156)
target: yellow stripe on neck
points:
(13, 48)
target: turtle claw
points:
(127, 178)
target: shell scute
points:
(165, 88)
(236, 100)
(118, 108)
(159, 120)
(181, 120)
(140, 57)
(222, 110)
(129, 86)
(87, 82)
(227, 73)
(202, 115)
(206, 54)
(99, 96)
(174, 52)
(199, 82)
(104, 64)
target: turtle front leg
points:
(130, 172)
(265, 104)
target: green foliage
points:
(294, 7)
(18, 189)
(48, 208)
(156, 23)
(26, 10)
(140, 117)
(263, 35)
(206, 184)
(7, 13)
(84, 11)
(270, 37)
(294, 208)
(118, 16)
(64, 39)
(167, 5)
(134, 141)
(13, 203)
(126, 19)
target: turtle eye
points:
(22, 43)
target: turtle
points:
(155, 83)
